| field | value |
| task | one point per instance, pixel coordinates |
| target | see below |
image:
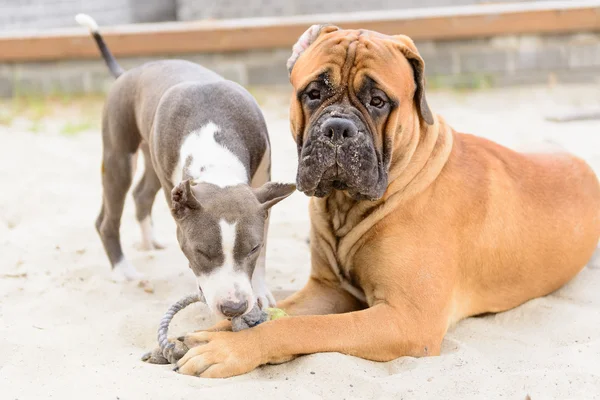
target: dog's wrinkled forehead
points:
(352, 54)
(349, 58)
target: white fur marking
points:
(124, 271)
(87, 21)
(208, 161)
(228, 234)
(149, 240)
(259, 282)
(225, 283)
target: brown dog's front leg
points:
(378, 333)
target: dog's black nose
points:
(233, 309)
(339, 129)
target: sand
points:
(68, 332)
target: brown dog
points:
(414, 226)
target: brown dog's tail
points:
(111, 62)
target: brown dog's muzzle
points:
(339, 154)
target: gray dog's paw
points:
(170, 356)
(155, 357)
(177, 352)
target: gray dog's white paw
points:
(149, 240)
(123, 271)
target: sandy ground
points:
(67, 331)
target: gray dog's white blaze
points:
(228, 283)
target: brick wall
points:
(510, 60)
(499, 61)
(152, 10)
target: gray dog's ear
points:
(305, 40)
(272, 193)
(183, 199)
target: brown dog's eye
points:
(314, 94)
(377, 102)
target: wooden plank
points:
(266, 33)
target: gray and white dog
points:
(205, 142)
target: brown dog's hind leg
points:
(144, 195)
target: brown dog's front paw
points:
(220, 354)
(189, 340)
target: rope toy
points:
(169, 352)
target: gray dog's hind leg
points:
(117, 170)
(144, 195)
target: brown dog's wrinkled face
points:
(352, 89)
(221, 232)
(339, 149)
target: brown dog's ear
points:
(408, 48)
(272, 193)
(183, 199)
(305, 40)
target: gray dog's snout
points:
(233, 309)
(339, 129)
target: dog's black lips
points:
(339, 185)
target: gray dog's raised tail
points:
(111, 62)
